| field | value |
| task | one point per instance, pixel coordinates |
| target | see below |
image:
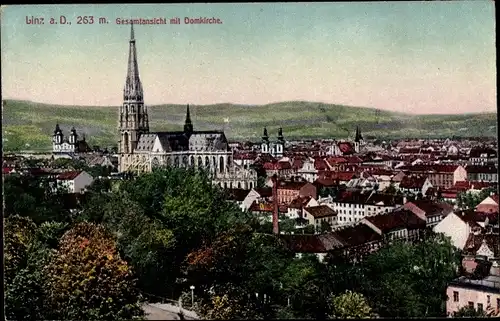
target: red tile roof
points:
(357, 235)
(346, 148)
(68, 176)
(482, 169)
(291, 185)
(320, 164)
(320, 211)
(413, 182)
(430, 168)
(299, 202)
(399, 219)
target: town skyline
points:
(420, 59)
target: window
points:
(498, 304)
(471, 304)
(480, 307)
(455, 296)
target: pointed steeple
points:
(58, 129)
(280, 134)
(358, 137)
(133, 86)
(265, 137)
(188, 125)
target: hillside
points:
(32, 123)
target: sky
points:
(414, 57)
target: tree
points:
(350, 305)
(24, 261)
(87, 279)
(325, 227)
(303, 284)
(261, 181)
(470, 312)
(391, 189)
(406, 280)
(33, 197)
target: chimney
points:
(276, 228)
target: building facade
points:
(141, 150)
(277, 148)
(71, 144)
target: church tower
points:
(358, 140)
(280, 145)
(264, 147)
(133, 119)
(188, 125)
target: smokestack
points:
(276, 229)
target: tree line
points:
(160, 233)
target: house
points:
(488, 205)
(430, 211)
(398, 225)
(481, 294)
(457, 226)
(318, 244)
(74, 181)
(482, 156)
(352, 206)
(245, 159)
(318, 214)
(415, 184)
(308, 170)
(257, 194)
(288, 191)
(238, 196)
(296, 207)
(280, 168)
(358, 240)
(483, 173)
(442, 176)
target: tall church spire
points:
(358, 138)
(133, 86)
(188, 125)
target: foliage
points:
(25, 258)
(470, 312)
(19, 233)
(33, 197)
(405, 280)
(391, 189)
(223, 267)
(303, 283)
(87, 279)
(159, 218)
(472, 199)
(350, 305)
(308, 229)
(49, 233)
(25, 297)
(324, 227)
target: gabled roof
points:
(311, 243)
(320, 211)
(474, 242)
(264, 191)
(236, 194)
(358, 234)
(413, 182)
(399, 219)
(68, 176)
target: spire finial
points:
(132, 32)
(188, 125)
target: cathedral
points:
(141, 150)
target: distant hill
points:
(32, 123)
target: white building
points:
(74, 181)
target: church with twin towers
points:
(141, 150)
